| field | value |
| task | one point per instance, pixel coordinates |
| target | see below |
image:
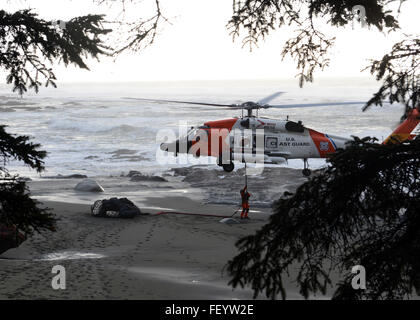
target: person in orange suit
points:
(245, 195)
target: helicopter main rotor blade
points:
(270, 98)
(184, 102)
(310, 105)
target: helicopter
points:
(270, 141)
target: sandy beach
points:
(166, 256)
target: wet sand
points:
(150, 257)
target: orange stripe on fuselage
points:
(322, 143)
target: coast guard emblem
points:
(323, 146)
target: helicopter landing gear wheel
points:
(306, 172)
(228, 167)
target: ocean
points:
(95, 129)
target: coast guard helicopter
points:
(281, 139)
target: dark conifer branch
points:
(17, 208)
(30, 45)
(363, 209)
(400, 72)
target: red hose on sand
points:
(195, 214)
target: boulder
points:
(89, 185)
(132, 173)
(71, 176)
(75, 176)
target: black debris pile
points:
(115, 208)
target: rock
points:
(132, 173)
(89, 185)
(71, 176)
(75, 176)
(181, 171)
(140, 177)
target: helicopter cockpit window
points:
(295, 126)
(192, 133)
(196, 131)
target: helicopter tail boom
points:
(405, 130)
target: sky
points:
(196, 45)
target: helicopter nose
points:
(170, 147)
(178, 146)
